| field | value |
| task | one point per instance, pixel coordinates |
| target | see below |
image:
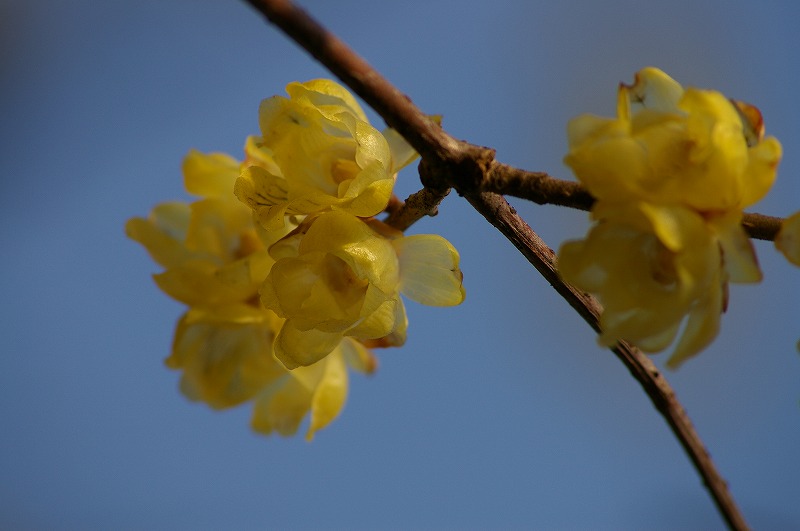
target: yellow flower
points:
(215, 261)
(668, 151)
(670, 145)
(339, 276)
(319, 390)
(317, 152)
(226, 356)
(209, 248)
(225, 353)
(650, 266)
(788, 238)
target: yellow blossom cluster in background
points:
(672, 174)
(288, 277)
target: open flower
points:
(669, 156)
(226, 358)
(318, 390)
(321, 153)
(340, 276)
(650, 266)
(670, 145)
(209, 248)
(215, 260)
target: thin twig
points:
(544, 189)
(538, 187)
(465, 167)
(500, 214)
(418, 205)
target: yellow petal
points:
(429, 272)
(370, 256)
(788, 239)
(162, 233)
(738, 253)
(329, 396)
(281, 405)
(216, 227)
(327, 94)
(299, 348)
(762, 168)
(358, 356)
(257, 154)
(611, 166)
(402, 152)
(225, 354)
(702, 326)
(397, 337)
(210, 175)
(586, 127)
(198, 283)
(368, 194)
(653, 89)
(379, 322)
(266, 193)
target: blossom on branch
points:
(672, 174)
(340, 276)
(287, 276)
(650, 266)
(322, 154)
(214, 261)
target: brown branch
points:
(544, 189)
(500, 214)
(760, 226)
(450, 162)
(398, 111)
(538, 187)
(427, 137)
(418, 205)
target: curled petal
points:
(654, 90)
(379, 322)
(702, 326)
(326, 94)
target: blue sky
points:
(501, 413)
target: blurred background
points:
(501, 413)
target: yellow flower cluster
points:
(288, 284)
(672, 174)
